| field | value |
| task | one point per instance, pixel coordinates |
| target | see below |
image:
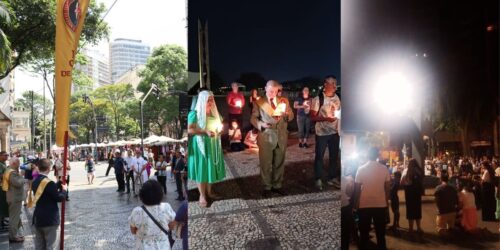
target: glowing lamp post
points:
(393, 93)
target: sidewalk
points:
(96, 216)
(304, 219)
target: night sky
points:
(282, 40)
(460, 70)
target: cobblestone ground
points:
(96, 215)
(303, 219)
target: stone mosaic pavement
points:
(96, 216)
(303, 219)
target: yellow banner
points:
(70, 16)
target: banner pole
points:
(63, 204)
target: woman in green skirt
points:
(205, 159)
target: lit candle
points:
(282, 107)
(337, 114)
(238, 103)
(220, 127)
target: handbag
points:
(168, 233)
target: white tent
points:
(135, 141)
(163, 140)
(151, 139)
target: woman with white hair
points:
(205, 159)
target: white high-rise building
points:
(96, 68)
(125, 54)
(6, 108)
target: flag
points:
(70, 15)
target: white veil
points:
(201, 115)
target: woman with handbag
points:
(151, 222)
(412, 181)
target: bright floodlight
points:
(393, 93)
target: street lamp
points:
(156, 92)
(86, 99)
(397, 83)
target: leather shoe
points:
(267, 193)
(279, 191)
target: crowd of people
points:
(29, 183)
(154, 223)
(370, 190)
(133, 169)
(270, 115)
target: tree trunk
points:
(117, 127)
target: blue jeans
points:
(323, 141)
(304, 125)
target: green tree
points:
(33, 30)
(116, 95)
(5, 50)
(26, 101)
(167, 68)
(83, 116)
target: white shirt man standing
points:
(129, 173)
(372, 188)
(325, 111)
(140, 172)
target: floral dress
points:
(149, 235)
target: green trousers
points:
(14, 218)
(272, 159)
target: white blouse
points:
(149, 235)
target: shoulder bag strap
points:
(155, 221)
(168, 233)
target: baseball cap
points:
(117, 151)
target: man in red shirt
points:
(235, 101)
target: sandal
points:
(203, 204)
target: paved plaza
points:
(430, 239)
(303, 219)
(96, 215)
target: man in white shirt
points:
(325, 111)
(372, 188)
(161, 171)
(130, 163)
(59, 168)
(141, 174)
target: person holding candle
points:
(236, 102)
(270, 116)
(324, 108)
(303, 106)
(205, 159)
(254, 96)
(235, 137)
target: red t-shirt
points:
(231, 100)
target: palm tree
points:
(5, 51)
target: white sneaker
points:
(319, 184)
